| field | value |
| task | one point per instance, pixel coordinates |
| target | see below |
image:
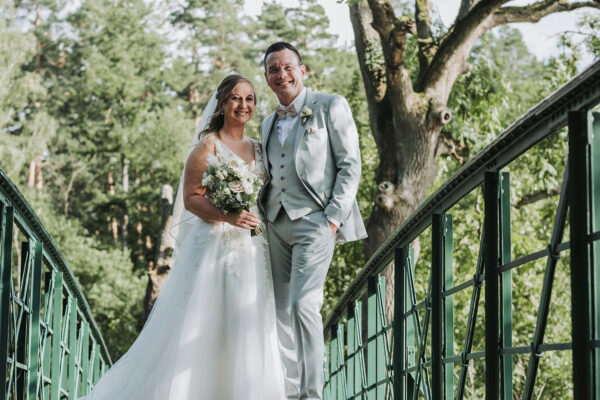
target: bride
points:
(211, 334)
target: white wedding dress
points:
(211, 334)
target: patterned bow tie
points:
(284, 112)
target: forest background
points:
(99, 99)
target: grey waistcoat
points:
(285, 189)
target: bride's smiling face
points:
(239, 107)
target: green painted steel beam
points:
(595, 250)
(472, 318)
(595, 246)
(5, 289)
(73, 349)
(333, 366)
(327, 381)
(34, 320)
(558, 229)
(410, 324)
(437, 320)
(401, 263)
(506, 286)
(352, 375)
(371, 336)
(381, 340)
(341, 376)
(579, 129)
(492, 376)
(448, 308)
(85, 356)
(56, 336)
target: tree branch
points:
(450, 59)
(536, 11)
(393, 32)
(373, 71)
(427, 46)
(465, 7)
(536, 196)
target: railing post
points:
(56, 336)
(506, 285)
(376, 358)
(5, 278)
(410, 323)
(448, 308)
(437, 338)
(581, 306)
(333, 363)
(492, 377)
(595, 202)
(34, 319)
(85, 357)
(342, 388)
(399, 326)
(327, 377)
(73, 373)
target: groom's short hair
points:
(275, 47)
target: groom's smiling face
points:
(285, 75)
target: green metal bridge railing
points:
(414, 355)
(50, 346)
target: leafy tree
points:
(407, 116)
(25, 123)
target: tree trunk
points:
(113, 226)
(405, 129)
(406, 126)
(125, 217)
(159, 268)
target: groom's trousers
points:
(301, 251)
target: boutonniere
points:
(305, 115)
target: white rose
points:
(236, 186)
(226, 191)
(220, 175)
(248, 188)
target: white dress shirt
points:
(284, 125)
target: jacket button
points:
(282, 166)
(282, 190)
(282, 154)
(283, 177)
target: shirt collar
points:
(298, 102)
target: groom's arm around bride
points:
(312, 155)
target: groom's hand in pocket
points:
(333, 228)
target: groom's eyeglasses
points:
(288, 68)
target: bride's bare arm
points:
(194, 199)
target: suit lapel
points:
(311, 102)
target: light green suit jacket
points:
(327, 160)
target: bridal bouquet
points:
(231, 187)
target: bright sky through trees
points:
(541, 38)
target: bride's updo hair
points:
(217, 119)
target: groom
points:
(312, 155)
